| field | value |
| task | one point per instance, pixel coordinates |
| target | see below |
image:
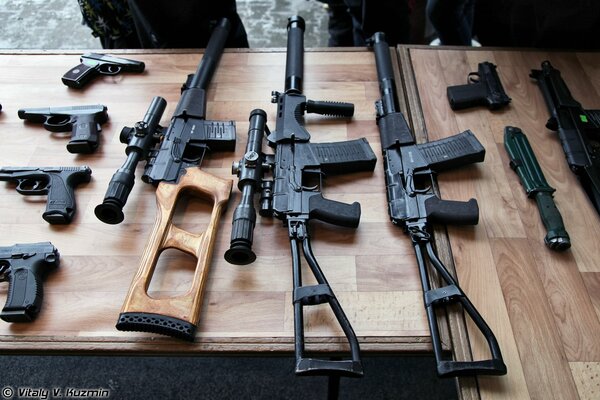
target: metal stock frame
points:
(319, 294)
(251, 170)
(452, 325)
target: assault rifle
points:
(290, 198)
(412, 205)
(578, 129)
(173, 167)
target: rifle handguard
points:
(175, 316)
(336, 109)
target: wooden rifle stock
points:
(176, 316)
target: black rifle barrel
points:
(385, 73)
(139, 140)
(211, 56)
(294, 63)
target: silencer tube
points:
(294, 63)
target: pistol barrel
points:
(385, 74)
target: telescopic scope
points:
(139, 139)
(250, 171)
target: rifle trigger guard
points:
(419, 235)
(298, 231)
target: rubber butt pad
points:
(156, 323)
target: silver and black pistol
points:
(94, 64)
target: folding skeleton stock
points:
(173, 167)
(289, 197)
(412, 204)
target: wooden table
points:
(246, 309)
(542, 305)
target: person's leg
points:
(452, 19)
(340, 24)
(388, 16)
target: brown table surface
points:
(372, 269)
(542, 305)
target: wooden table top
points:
(372, 269)
(543, 306)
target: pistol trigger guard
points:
(4, 267)
(59, 123)
(109, 69)
(473, 77)
(29, 186)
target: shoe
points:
(475, 43)
(436, 42)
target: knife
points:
(525, 164)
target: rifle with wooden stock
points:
(173, 167)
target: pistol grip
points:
(450, 212)
(25, 295)
(465, 96)
(60, 206)
(334, 212)
(84, 136)
(175, 316)
(78, 76)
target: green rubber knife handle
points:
(525, 164)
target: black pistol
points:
(57, 182)
(83, 121)
(93, 65)
(24, 267)
(483, 89)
